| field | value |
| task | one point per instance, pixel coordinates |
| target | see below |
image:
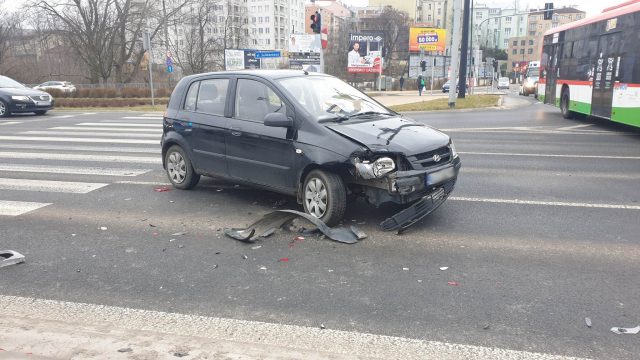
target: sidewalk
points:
(391, 98)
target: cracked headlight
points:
(382, 166)
(453, 150)
(20, 98)
(377, 169)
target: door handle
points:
(235, 131)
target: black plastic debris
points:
(418, 210)
(10, 257)
(278, 219)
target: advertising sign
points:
(365, 52)
(268, 54)
(233, 59)
(307, 61)
(427, 39)
(305, 43)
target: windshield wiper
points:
(337, 119)
(369, 113)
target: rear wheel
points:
(179, 168)
(564, 105)
(324, 196)
(4, 109)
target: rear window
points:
(207, 96)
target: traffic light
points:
(495, 65)
(548, 11)
(423, 65)
(318, 23)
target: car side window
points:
(192, 96)
(212, 96)
(254, 100)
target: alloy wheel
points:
(3, 109)
(177, 167)
(316, 197)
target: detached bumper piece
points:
(277, 219)
(10, 257)
(418, 210)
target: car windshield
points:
(6, 82)
(503, 79)
(328, 98)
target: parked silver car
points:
(63, 86)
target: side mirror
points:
(277, 120)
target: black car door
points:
(205, 112)
(255, 152)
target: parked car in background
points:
(447, 85)
(307, 135)
(503, 83)
(530, 84)
(62, 86)
(17, 98)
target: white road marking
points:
(91, 133)
(118, 124)
(72, 170)
(10, 122)
(142, 117)
(63, 116)
(72, 139)
(81, 128)
(575, 127)
(15, 208)
(552, 155)
(154, 150)
(152, 183)
(70, 187)
(536, 130)
(546, 203)
(81, 157)
(302, 339)
(151, 114)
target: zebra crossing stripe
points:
(82, 157)
(15, 208)
(79, 139)
(80, 128)
(92, 133)
(69, 187)
(147, 150)
(118, 124)
(10, 122)
(72, 170)
(142, 117)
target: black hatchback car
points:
(17, 98)
(308, 135)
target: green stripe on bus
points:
(626, 115)
(580, 107)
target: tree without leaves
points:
(9, 29)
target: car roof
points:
(266, 74)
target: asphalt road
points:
(541, 232)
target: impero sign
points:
(365, 52)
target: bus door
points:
(552, 72)
(604, 75)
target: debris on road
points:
(322, 327)
(443, 268)
(103, 228)
(283, 260)
(124, 350)
(263, 268)
(256, 247)
(630, 331)
(162, 189)
(279, 218)
(180, 354)
(10, 257)
(486, 326)
(359, 233)
(245, 257)
(453, 283)
(179, 233)
(587, 321)
(405, 269)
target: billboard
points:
(240, 59)
(427, 39)
(365, 52)
(307, 61)
(305, 43)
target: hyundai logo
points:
(436, 158)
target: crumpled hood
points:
(392, 134)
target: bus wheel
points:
(564, 105)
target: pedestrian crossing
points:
(67, 155)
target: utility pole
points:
(464, 49)
(455, 38)
(166, 32)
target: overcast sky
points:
(592, 7)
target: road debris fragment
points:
(453, 283)
(630, 331)
(103, 228)
(245, 257)
(179, 233)
(486, 326)
(278, 219)
(180, 354)
(263, 268)
(322, 327)
(124, 350)
(283, 260)
(256, 247)
(405, 268)
(587, 321)
(162, 189)
(443, 268)
(10, 257)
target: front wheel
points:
(324, 196)
(4, 109)
(564, 106)
(179, 169)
